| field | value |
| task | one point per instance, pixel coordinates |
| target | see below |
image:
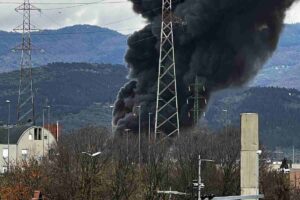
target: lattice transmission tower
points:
(25, 107)
(167, 117)
(199, 99)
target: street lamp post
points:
(48, 107)
(92, 156)
(139, 107)
(112, 117)
(43, 132)
(8, 134)
(259, 152)
(149, 136)
(199, 174)
(127, 141)
(226, 120)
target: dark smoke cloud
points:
(224, 42)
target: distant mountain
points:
(92, 44)
(283, 69)
(80, 43)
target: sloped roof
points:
(14, 135)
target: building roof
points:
(15, 133)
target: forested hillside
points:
(278, 109)
(68, 88)
(81, 94)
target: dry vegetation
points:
(115, 174)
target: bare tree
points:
(73, 175)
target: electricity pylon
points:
(25, 107)
(167, 117)
(198, 98)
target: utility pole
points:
(166, 116)
(149, 136)
(44, 132)
(293, 154)
(48, 127)
(25, 107)
(112, 118)
(140, 161)
(8, 135)
(127, 144)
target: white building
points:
(24, 142)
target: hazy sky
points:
(114, 14)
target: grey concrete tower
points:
(249, 154)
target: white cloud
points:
(117, 16)
(293, 15)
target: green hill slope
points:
(68, 88)
(278, 109)
(80, 94)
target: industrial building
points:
(24, 142)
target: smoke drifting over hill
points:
(224, 42)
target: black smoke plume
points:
(224, 42)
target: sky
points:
(113, 14)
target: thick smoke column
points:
(224, 42)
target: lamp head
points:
(259, 152)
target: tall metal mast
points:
(199, 99)
(167, 118)
(25, 107)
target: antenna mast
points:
(167, 117)
(25, 107)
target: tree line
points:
(69, 173)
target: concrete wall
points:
(12, 155)
(249, 156)
(35, 148)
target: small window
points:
(30, 136)
(35, 134)
(38, 134)
(45, 137)
(4, 169)
(5, 153)
(24, 154)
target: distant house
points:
(24, 142)
(38, 196)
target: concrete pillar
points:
(249, 155)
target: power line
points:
(81, 5)
(63, 3)
(69, 5)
